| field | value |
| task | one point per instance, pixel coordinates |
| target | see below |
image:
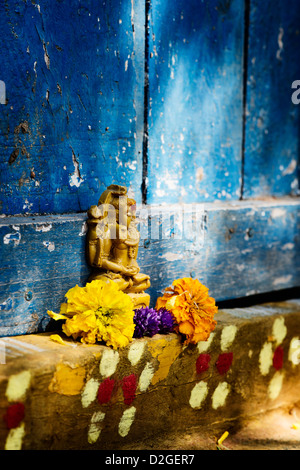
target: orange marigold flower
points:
(193, 309)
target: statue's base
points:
(140, 300)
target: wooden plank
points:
(272, 120)
(41, 258)
(195, 100)
(73, 122)
(235, 249)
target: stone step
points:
(156, 393)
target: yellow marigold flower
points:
(98, 312)
(193, 309)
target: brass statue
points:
(112, 244)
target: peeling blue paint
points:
(272, 121)
(72, 105)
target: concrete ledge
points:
(74, 396)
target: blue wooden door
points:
(188, 104)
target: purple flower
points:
(166, 321)
(146, 322)
(149, 322)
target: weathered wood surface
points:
(76, 109)
(236, 250)
(272, 120)
(159, 387)
(195, 114)
(73, 122)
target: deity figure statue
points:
(112, 244)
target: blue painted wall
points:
(272, 120)
(196, 100)
(76, 109)
(73, 123)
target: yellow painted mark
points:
(275, 385)
(166, 351)
(126, 421)
(95, 427)
(146, 377)
(15, 438)
(67, 381)
(203, 346)
(198, 395)
(18, 385)
(279, 330)
(265, 358)
(294, 351)
(136, 351)
(109, 362)
(89, 392)
(227, 336)
(220, 394)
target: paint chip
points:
(291, 168)
(43, 227)
(14, 238)
(280, 43)
(277, 213)
(75, 179)
(49, 245)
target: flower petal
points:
(56, 316)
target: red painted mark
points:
(224, 362)
(14, 415)
(278, 358)
(105, 390)
(202, 364)
(129, 386)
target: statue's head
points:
(114, 200)
(114, 191)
